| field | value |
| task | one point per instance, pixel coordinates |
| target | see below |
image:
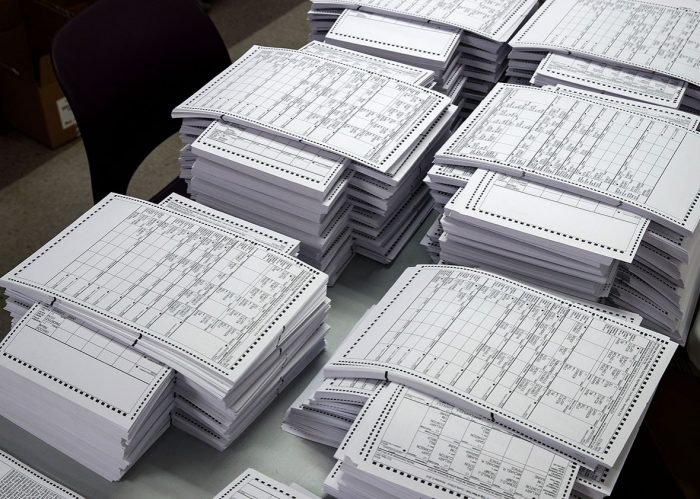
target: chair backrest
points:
(123, 66)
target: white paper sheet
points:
(425, 445)
(679, 118)
(342, 109)
(189, 287)
(354, 389)
(546, 213)
(663, 39)
(573, 378)
(393, 69)
(619, 80)
(585, 146)
(409, 41)
(275, 240)
(102, 375)
(252, 484)
(495, 19)
(456, 176)
(297, 167)
(19, 481)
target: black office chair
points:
(124, 65)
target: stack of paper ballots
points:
(326, 410)
(647, 50)
(197, 291)
(434, 48)
(465, 42)
(580, 193)
(474, 385)
(324, 144)
(95, 399)
(443, 181)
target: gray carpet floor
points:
(43, 190)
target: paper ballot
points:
(432, 449)
(660, 38)
(252, 484)
(201, 296)
(403, 72)
(413, 42)
(535, 212)
(626, 82)
(496, 20)
(82, 366)
(19, 481)
(365, 116)
(678, 118)
(311, 171)
(575, 379)
(585, 146)
(108, 402)
(275, 240)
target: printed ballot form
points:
(581, 144)
(660, 38)
(83, 367)
(682, 119)
(573, 378)
(19, 481)
(532, 211)
(625, 81)
(168, 282)
(275, 240)
(311, 171)
(496, 20)
(366, 116)
(437, 450)
(393, 69)
(416, 42)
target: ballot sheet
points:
(496, 20)
(252, 484)
(351, 389)
(393, 69)
(570, 377)
(660, 38)
(19, 481)
(424, 44)
(455, 176)
(624, 81)
(171, 283)
(275, 240)
(679, 118)
(366, 116)
(583, 145)
(88, 370)
(418, 442)
(537, 212)
(308, 170)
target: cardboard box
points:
(37, 106)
